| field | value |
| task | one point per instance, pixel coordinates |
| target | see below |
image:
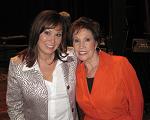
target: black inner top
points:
(90, 83)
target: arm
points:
(80, 112)
(133, 91)
(14, 97)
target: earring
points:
(98, 49)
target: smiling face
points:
(84, 45)
(49, 40)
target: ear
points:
(96, 44)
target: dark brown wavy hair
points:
(87, 23)
(44, 20)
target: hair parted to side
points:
(45, 19)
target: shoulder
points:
(16, 60)
(120, 59)
(70, 51)
(15, 66)
(71, 55)
(113, 58)
(16, 63)
(116, 63)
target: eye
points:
(59, 34)
(47, 32)
(87, 39)
(76, 41)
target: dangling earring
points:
(97, 49)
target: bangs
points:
(51, 25)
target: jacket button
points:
(68, 87)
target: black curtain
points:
(147, 16)
(17, 16)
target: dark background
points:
(121, 21)
(17, 15)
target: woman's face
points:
(84, 44)
(49, 40)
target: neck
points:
(46, 59)
(92, 65)
(93, 61)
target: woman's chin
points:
(82, 58)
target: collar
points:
(36, 66)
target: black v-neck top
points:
(90, 83)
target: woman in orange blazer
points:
(107, 85)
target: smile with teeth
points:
(82, 52)
(50, 46)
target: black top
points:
(90, 83)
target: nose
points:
(51, 39)
(82, 44)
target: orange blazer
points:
(116, 93)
